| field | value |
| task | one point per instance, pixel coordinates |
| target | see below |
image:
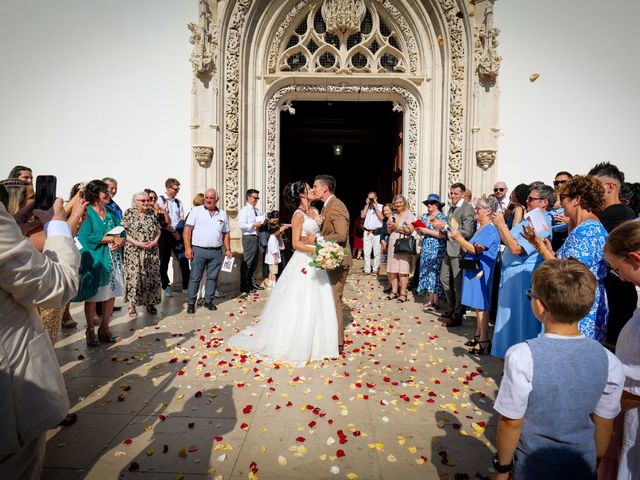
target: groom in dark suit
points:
(451, 274)
(335, 228)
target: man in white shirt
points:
(171, 238)
(372, 215)
(500, 191)
(206, 231)
(250, 219)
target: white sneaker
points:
(185, 291)
(218, 294)
(168, 292)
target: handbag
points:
(405, 246)
(470, 264)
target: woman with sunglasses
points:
(622, 253)
(582, 198)
(141, 260)
(482, 249)
(515, 321)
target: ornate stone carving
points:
(343, 17)
(314, 47)
(487, 44)
(231, 104)
(204, 38)
(273, 108)
(203, 155)
(456, 90)
(485, 158)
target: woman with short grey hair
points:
(141, 260)
(398, 264)
(477, 271)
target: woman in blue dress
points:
(476, 283)
(582, 198)
(434, 246)
(515, 321)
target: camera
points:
(371, 200)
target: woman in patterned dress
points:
(434, 246)
(582, 198)
(141, 258)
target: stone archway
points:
(445, 79)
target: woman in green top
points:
(100, 263)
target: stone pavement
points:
(171, 402)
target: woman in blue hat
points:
(434, 245)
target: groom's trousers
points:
(338, 279)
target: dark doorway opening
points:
(359, 143)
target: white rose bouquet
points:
(328, 255)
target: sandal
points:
(105, 336)
(402, 298)
(340, 349)
(69, 420)
(480, 349)
(132, 312)
(472, 343)
(428, 308)
(151, 309)
(92, 340)
(392, 295)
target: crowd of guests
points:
(556, 269)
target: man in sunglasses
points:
(500, 191)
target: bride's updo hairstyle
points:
(292, 192)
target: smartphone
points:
(45, 191)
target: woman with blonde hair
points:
(399, 264)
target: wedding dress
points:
(298, 324)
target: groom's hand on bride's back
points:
(308, 238)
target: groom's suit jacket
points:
(336, 225)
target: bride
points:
(298, 324)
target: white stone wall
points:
(583, 108)
(93, 88)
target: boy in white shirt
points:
(561, 391)
(272, 256)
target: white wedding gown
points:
(298, 324)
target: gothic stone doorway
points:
(369, 135)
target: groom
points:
(335, 228)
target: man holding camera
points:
(372, 215)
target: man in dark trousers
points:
(250, 220)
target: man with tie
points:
(250, 219)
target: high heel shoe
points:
(472, 343)
(105, 336)
(392, 296)
(483, 348)
(92, 339)
(402, 298)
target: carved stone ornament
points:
(488, 60)
(343, 17)
(410, 107)
(485, 158)
(231, 104)
(456, 90)
(203, 155)
(204, 40)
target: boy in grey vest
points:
(561, 391)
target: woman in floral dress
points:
(141, 258)
(434, 246)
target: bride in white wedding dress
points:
(298, 324)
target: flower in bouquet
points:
(328, 256)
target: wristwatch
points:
(501, 468)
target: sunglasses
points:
(496, 190)
(531, 199)
(559, 182)
(531, 295)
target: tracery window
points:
(376, 48)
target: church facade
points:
(432, 64)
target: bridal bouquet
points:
(328, 256)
